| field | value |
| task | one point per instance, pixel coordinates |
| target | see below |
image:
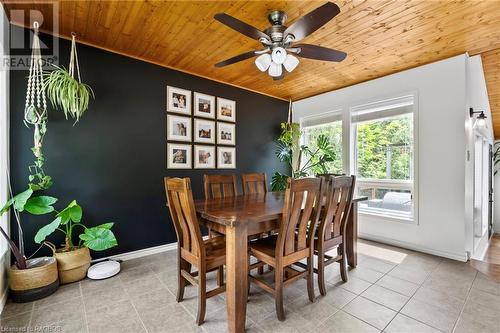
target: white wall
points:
(4, 137)
(441, 151)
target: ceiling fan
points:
(278, 40)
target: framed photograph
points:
(226, 109)
(204, 131)
(204, 105)
(226, 157)
(178, 100)
(226, 134)
(178, 156)
(178, 128)
(204, 157)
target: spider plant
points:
(67, 93)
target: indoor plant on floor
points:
(292, 153)
(73, 260)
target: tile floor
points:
(391, 290)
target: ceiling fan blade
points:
(240, 26)
(312, 21)
(237, 58)
(319, 53)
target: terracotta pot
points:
(39, 280)
(73, 264)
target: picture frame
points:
(204, 131)
(226, 134)
(179, 128)
(226, 109)
(204, 105)
(204, 157)
(178, 156)
(178, 100)
(226, 157)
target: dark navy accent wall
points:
(114, 160)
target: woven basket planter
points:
(38, 281)
(72, 265)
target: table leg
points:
(237, 276)
(352, 236)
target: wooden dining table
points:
(243, 215)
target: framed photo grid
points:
(201, 131)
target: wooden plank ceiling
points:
(380, 37)
(491, 65)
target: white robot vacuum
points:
(103, 270)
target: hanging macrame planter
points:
(66, 92)
(35, 113)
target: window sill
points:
(388, 217)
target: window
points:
(329, 125)
(384, 157)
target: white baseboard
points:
(410, 246)
(141, 253)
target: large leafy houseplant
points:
(67, 221)
(300, 159)
(73, 97)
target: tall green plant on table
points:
(65, 91)
(292, 153)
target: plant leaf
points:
(73, 212)
(279, 182)
(107, 225)
(19, 201)
(40, 205)
(47, 230)
(98, 239)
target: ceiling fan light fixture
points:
(263, 61)
(275, 70)
(291, 62)
(278, 55)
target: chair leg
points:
(220, 276)
(278, 285)
(202, 295)
(343, 262)
(321, 272)
(310, 280)
(181, 282)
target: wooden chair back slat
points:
(338, 195)
(219, 186)
(182, 210)
(300, 200)
(254, 183)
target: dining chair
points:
(219, 186)
(207, 255)
(253, 183)
(294, 241)
(330, 233)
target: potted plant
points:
(292, 153)
(73, 259)
(67, 92)
(30, 279)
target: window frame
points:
(322, 119)
(375, 103)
